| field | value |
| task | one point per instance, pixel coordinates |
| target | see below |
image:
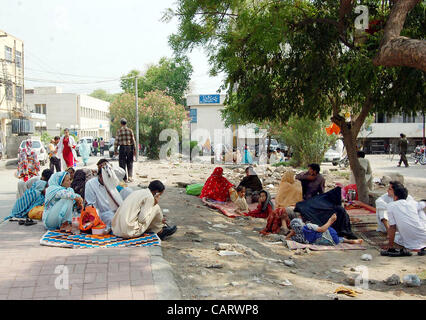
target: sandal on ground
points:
(29, 222)
(392, 252)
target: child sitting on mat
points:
(265, 206)
(313, 234)
(238, 196)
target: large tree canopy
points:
(171, 75)
(302, 58)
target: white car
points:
(335, 153)
(38, 147)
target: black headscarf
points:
(81, 176)
(251, 181)
(320, 208)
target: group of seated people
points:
(55, 198)
(317, 217)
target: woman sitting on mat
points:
(289, 192)
(252, 184)
(59, 203)
(265, 206)
(217, 187)
(32, 197)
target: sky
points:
(82, 45)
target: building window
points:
(18, 93)
(8, 53)
(40, 108)
(18, 59)
(9, 91)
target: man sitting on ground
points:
(381, 206)
(404, 217)
(104, 200)
(313, 183)
(141, 213)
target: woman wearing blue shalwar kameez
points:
(59, 202)
(31, 198)
(247, 159)
(84, 151)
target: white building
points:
(385, 132)
(54, 111)
(207, 124)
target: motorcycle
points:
(344, 163)
(420, 155)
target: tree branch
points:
(368, 103)
(396, 50)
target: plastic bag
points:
(194, 189)
(89, 218)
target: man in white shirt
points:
(404, 217)
(381, 207)
(106, 201)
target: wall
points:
(100, 120)
(60, 108)
(393, 130)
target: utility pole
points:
(424, 140)
(137, 118)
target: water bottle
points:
(75, 223)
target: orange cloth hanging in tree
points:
(333, 128)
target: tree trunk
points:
(349, 140)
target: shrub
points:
(308, 140)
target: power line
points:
(71, 75)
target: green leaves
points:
(157, 112)
(169, 75)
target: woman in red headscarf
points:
(216, 187)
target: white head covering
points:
(120, 173)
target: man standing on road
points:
(55, 162)
(126, 141)
(403, 145)
(102, 146)
(95, 147)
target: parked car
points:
(89, 141)
(336, 153)
(40, 150)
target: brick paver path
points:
(30, 271)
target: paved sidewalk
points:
(27, 270)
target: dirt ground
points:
(258, 272)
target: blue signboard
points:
(209, 98)
(193, 115)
